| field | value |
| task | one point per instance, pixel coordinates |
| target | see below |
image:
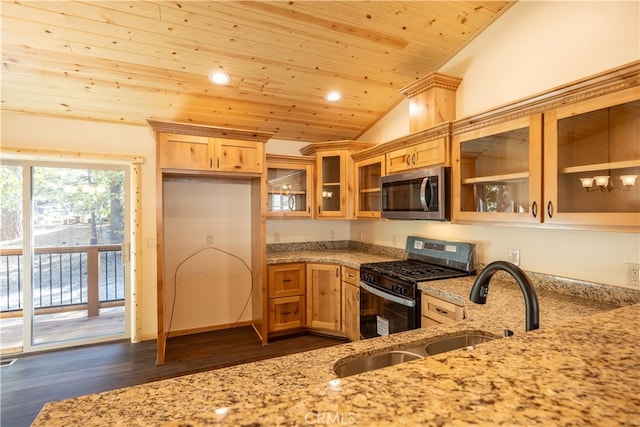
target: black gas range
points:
(389, 294)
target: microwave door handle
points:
(423, 193)
(388, 297)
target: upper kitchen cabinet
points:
(592, 161)
(208, 149)
(334, 193)
(426, 148)
(370, 166)
(432, 101)
(566, 158)
(234, 155)
(497, 170)
(289, 186)
(432, 106)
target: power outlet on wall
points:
(633, 274)
(209, 239)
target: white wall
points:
(533, 47)
(212, 281)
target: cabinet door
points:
(323, 296)
(350, 303)
(498, 172)
(368, 195)
(592, 161)
(286, 313)
(426, 154)
(286, 280)
(233, 155)
(289, 188)
(331, 194)
(184, 152)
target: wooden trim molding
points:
(208, 131)
(71, 156)
(346, 144)
(284, 159)
(610, 81)
(433, 80)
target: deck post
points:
(93, 272)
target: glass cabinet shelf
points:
(497, 179)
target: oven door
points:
(382, 313)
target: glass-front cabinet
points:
(368, 193)
(331, 191)
(289, 186)
(334, 176)
(592, 161)
(498, 173)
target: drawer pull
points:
(286, 280)
(441, 311)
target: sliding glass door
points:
(72, 246)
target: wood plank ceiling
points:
(124, 62)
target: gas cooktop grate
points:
(412, 271)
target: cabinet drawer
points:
(286, 280)
(351, 275)
(441, 311)
(286, 313)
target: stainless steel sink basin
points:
(374, 361)
(454, 343)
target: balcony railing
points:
(64, 277)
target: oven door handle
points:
(389, 297)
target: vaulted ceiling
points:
(124, 62)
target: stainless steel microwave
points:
(419, 194)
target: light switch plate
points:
(514, 256)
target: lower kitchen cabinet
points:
(351, 303)
(323, 297)
(286, 313)
(437, 311)
(286, 297)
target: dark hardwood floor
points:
(35, 379)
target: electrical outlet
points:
(209, 239)
(332, 234)
(633, 274)
(514, 256)
(276, 237)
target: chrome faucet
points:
(480, 289)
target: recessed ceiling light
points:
(219, 78)
(334, 96)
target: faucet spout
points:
(480, 289)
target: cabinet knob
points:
(534, 209)
(550, 209)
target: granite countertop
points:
(581, 367)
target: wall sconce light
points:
(603, 183)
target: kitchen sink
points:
(374, 361)
(455, 343)
(408, 353)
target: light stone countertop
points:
(582, 367)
